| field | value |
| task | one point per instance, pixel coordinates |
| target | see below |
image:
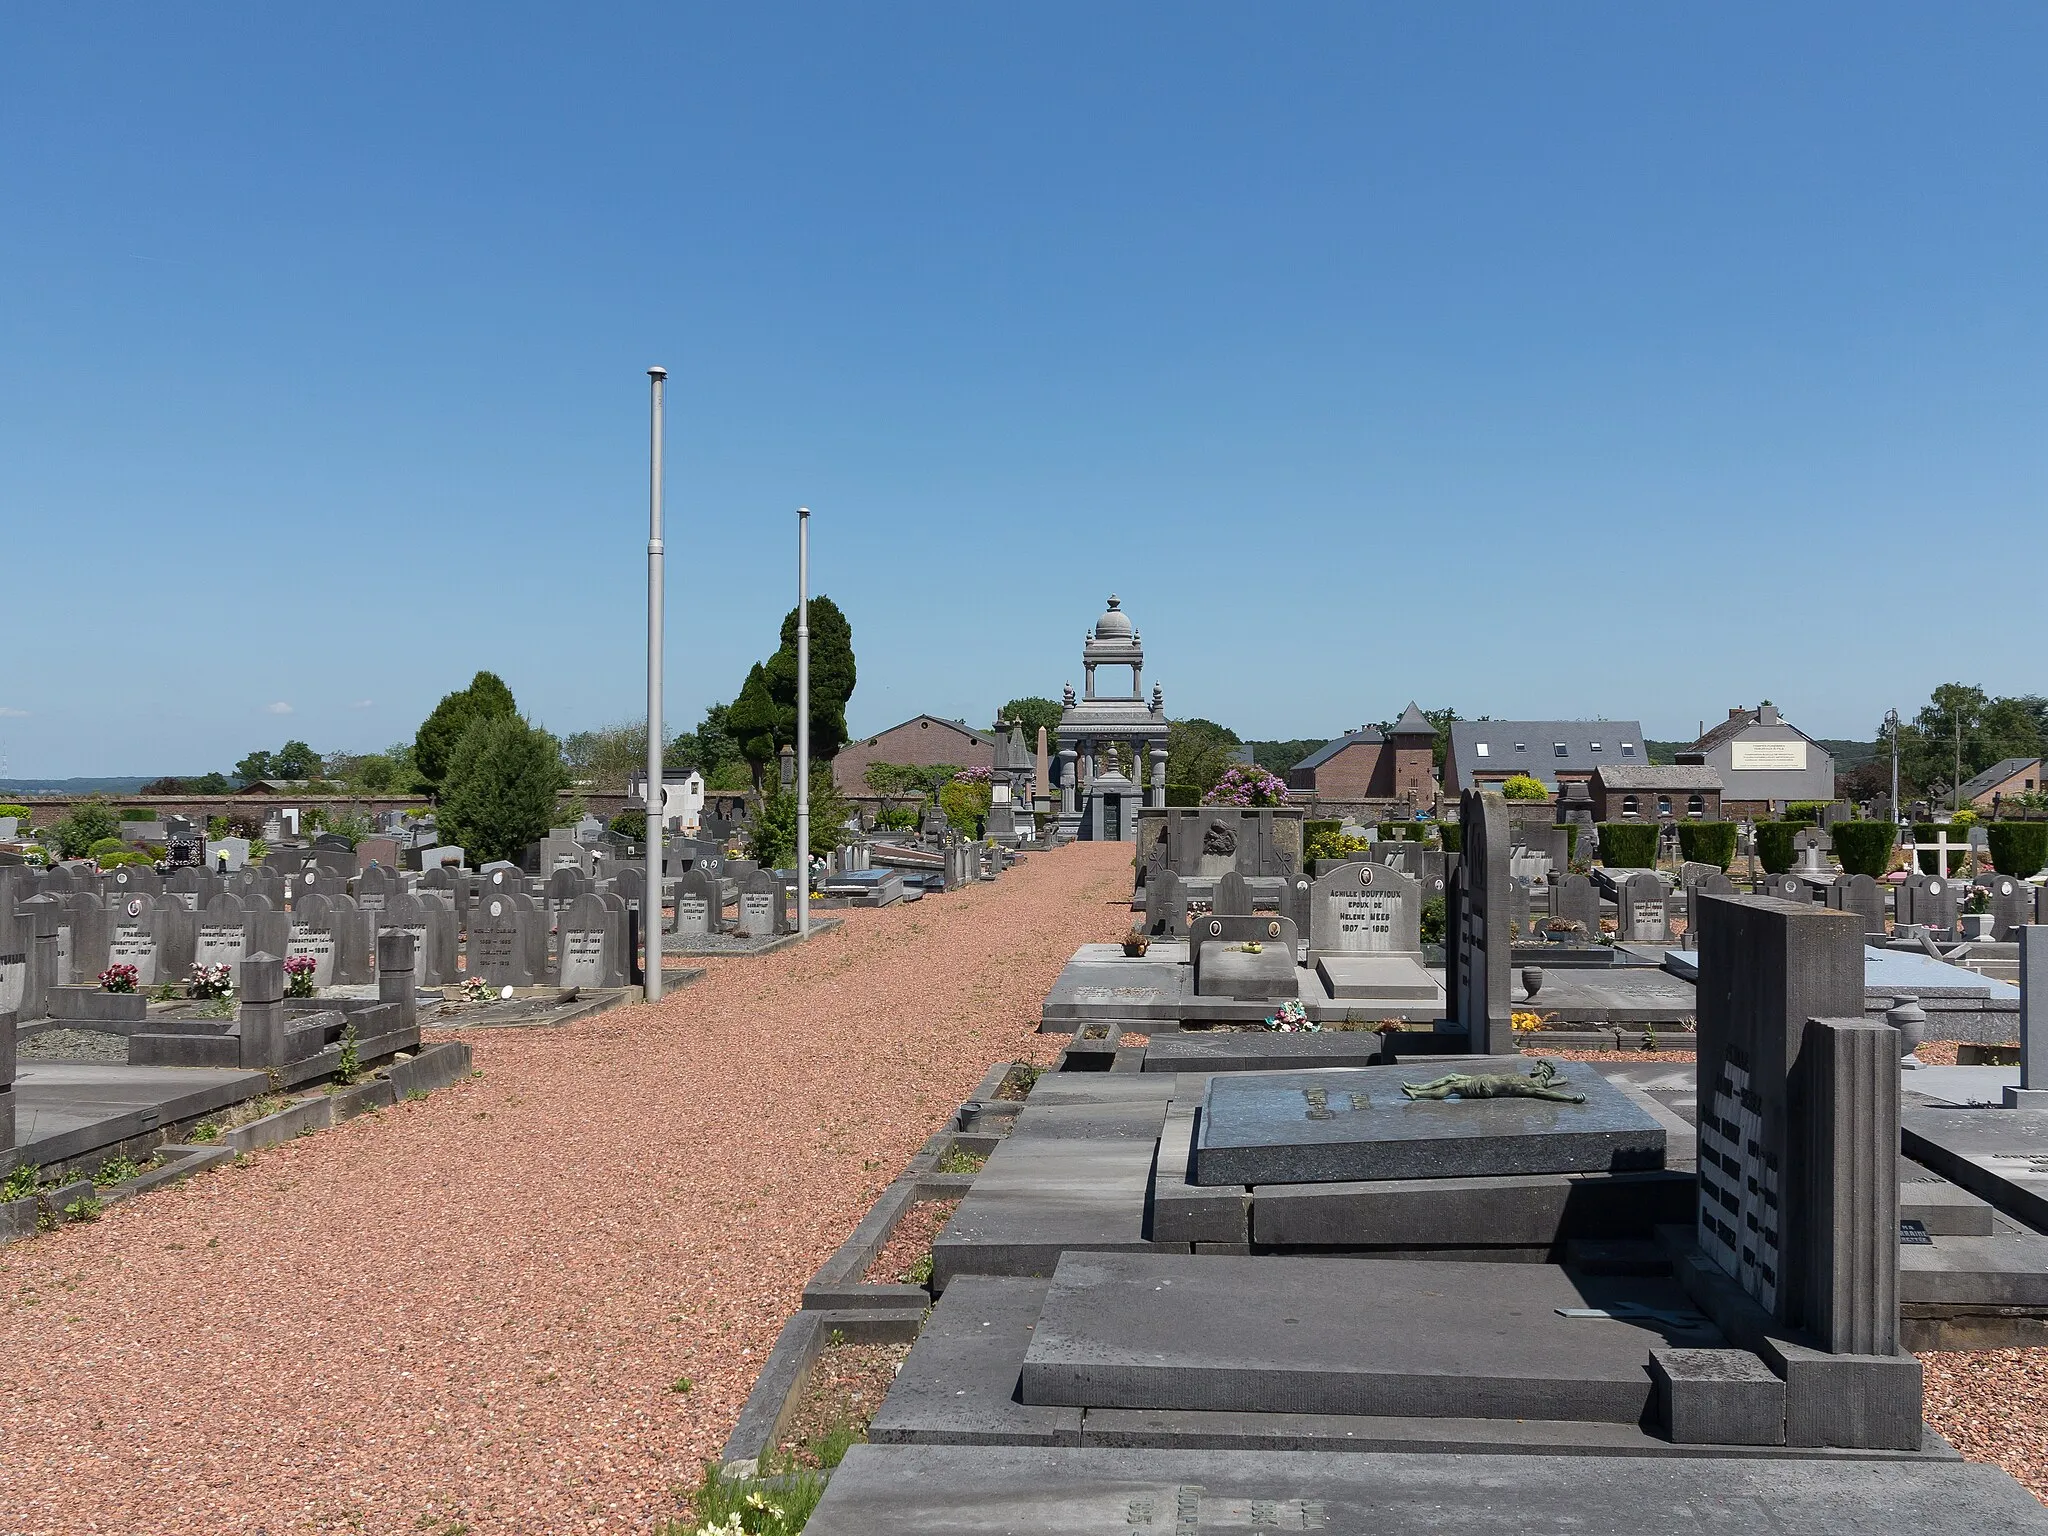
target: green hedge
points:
(1628, 844)
(1804, 810)
(1865, 847)
(2017, 847)
(1571, 840)
(136, 813)
(1708, 842)
(1774, 844)
(1404, 831)
(1183, 794)
(1452, 835)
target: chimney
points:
(1767, 715)
(1737, 712)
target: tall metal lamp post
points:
(650, 900)
(803, 722)
(1891, 724)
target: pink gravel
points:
(471, 1310)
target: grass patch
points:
(959, 1159)
(1018, 1082)
(755, 1506)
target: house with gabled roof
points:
(1765, 762)
(1397, 763)
(1484, 754)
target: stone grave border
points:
(433, 1066)
(838, 1302)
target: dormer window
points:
(1628, 749)
(1560, 748)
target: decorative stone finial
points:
(1068, 697)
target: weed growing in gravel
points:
(748, 1506)
(119, 1170)
(1017, 1084)
(84, 1208)
(682, 1386)
(205, 1131)
(21, 1183)
(346, 1068)
(959, 1159)
(920, 1271)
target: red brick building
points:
(923, 741)
(1370, 764)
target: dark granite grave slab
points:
(959, 1384)
(1054, 1491)
(1355, 1123)
(2000, 1155)
(1343, 1335)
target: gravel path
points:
(470, 1311)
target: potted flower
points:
(118, 978)
(1292, 1019)
(298, 976)
(1137, 941)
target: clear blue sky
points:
(1540, 361)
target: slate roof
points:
(1996, 775)
(1366, 735)
(1681, 776)
(1413, 722)
(1735, 725)
(1538, 757)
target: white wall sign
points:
(1778, 756)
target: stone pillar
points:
(1044, 770)
(1157, 799)
(262, 1011)
(1068, 769)
(7, 1041)
(395, 962)
(1847, 1114)
(2032, 1092)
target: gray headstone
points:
(500, 948)
(1799, 1121)
(1166, 906)
(1232, 896)
(763, 905)
(1365, 909)
(700, 905)
(1574, 900)
(1643, 910)
(592, 944)
(1863, 896)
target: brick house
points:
(1641, 792)
(1370, 764)
(923, 741)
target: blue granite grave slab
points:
(1344, 1123)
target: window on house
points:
(1596, 746)
(1695, 805)
(1479, 748)
(1628, 749)
(1628, 805)
(1521, 746)
(1559, 746)
(1663, 805)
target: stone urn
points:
(1910, 1020)
(1136, 942)
(1532, 980)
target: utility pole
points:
(1955, 801)
(803, 722)
(650, 900)
(1891, 722)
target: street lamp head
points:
(657, 373)
(803, 511)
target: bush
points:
(1774, 845)
(2017, 847)
(91, 822)
(1865, 847)
(899, 818)
(105, 846)
(966, 803)
(1522, 787)
(1404, 831)
(1242, 785)
(20, 813)
(1807, 811)
(631, 825)
(1452, 836)
(1628, 844)
(1571, 841)
(129, 813)
(1183, 794)
(1708, 842)
(1433, 920)
(498, 794)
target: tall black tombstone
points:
(1483, 954)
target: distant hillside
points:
(126, 786)
(1279, 756)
